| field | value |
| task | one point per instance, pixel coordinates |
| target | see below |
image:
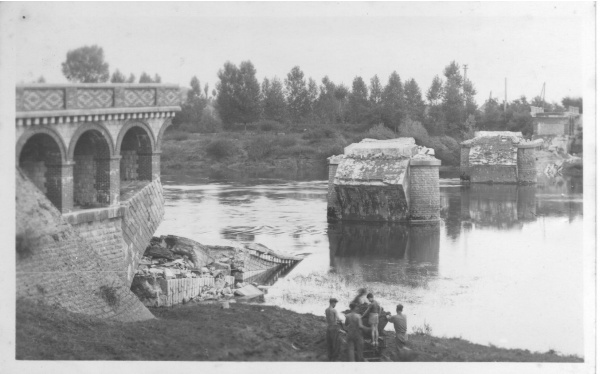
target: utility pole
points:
(465, 67)
(543, 93)
(505, 94)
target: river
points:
(502, 267)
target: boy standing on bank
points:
(373, 313)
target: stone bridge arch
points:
(92, 151)
(136, 146)
(41, 154)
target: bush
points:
(380, 132)
(315, 135)
(177, 135)
(222, 148)
(413, 129)
(285, 141)
(331, 150)
(260, 147)
(303, 151)
(269, 125)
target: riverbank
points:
(205, 332)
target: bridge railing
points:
(86, 96)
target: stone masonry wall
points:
(464, 161)
(333, 207)
(424, 193)
(156, 292)
(106, 239)
(142, 215)
(55, 264)
(526, 166)
(493, 174)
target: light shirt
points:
(332, 316)
(399, 321)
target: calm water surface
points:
(502, 267)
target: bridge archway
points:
(41, 155)
(92, 185)
(136, 146)
(161, 134)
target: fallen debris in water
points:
(177, 270)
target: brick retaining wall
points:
(57, 265)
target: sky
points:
(529, 44)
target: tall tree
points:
(415, 106)
(312, 97)
(157, 78)
(327, 106)
(194, 93)
(375, 94)
(145, 78)
(193, 108)
(274, 106)
(434, 94)
(238, 97)
(86, 65)
(297, 94)
(452, 102)
(131, 78)
(358, 101)
(117, 77)
(249, 94)
(393, 102)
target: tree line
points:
(446, 108)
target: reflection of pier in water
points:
(504, 206)
(396, 253)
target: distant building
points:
(555, 123)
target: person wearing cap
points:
(333, 329)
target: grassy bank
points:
(246, 151)
(290, 148)
(195, 332)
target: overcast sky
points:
(529, 43)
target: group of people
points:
(354, 326)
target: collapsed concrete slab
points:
(498, 157)
(384, 180)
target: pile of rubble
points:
(206, 272)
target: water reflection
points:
(394, 253)
(507, 207)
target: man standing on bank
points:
(373, 313)
(355, 330)
(399, 321)
(333, 330)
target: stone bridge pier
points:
(78, 142)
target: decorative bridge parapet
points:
(79, 142)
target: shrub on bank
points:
(176, 134)
(260, 147)
(222, 148)
(270, 125)
(380, 132)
